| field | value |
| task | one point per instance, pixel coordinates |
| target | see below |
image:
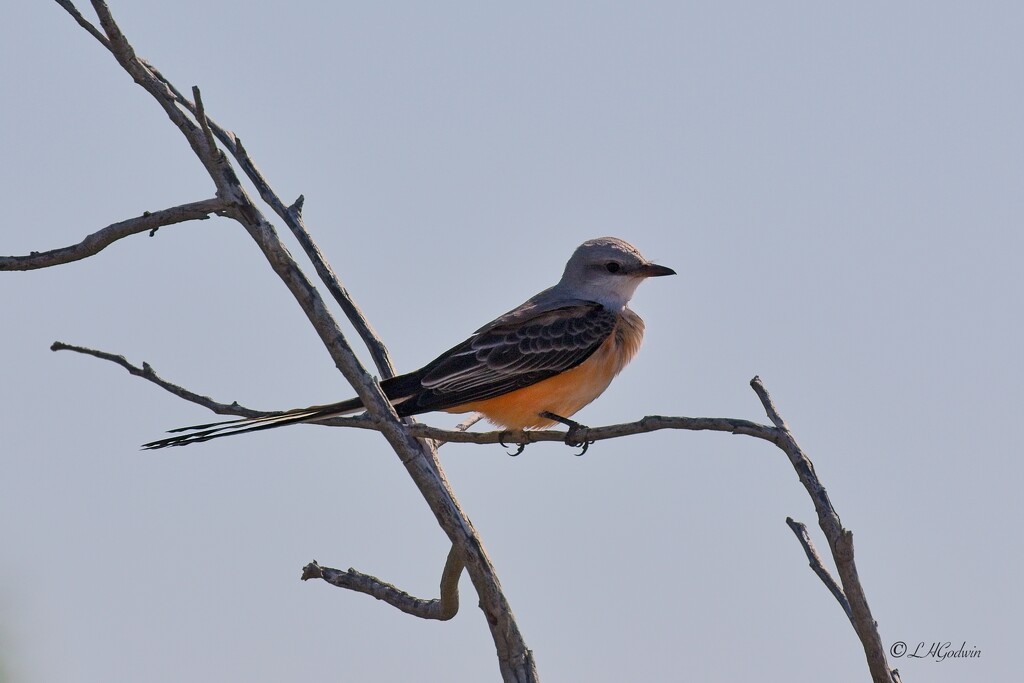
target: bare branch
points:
(101, 239)
(840, 542)
(215, 157)
(442, 609)
(469, 422)
(817, 565)
(201, 117)
(84, 23)
(769, 405)
(649, 423)
(147, 373)
(125, 55)
(226, 137)
(378, 351)
(514, 658)
(292, 216)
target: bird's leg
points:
(501, 440)
(574, 428)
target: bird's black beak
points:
(654, 270)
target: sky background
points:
(838, 186)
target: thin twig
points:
(817, 565)
(84, 23)
(147, 373)
(769, 406)
(469, 422)
(212, 150)
(101, 239)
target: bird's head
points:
(607, 270)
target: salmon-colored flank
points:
(568, 392)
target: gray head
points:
(607, 270)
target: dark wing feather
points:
(506, 356)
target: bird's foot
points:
(520, 446)
(572, 436)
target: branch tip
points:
(766, 401)
(312, 571)
(146, 372)
(204, 123)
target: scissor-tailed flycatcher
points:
(534, 366)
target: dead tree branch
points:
(442, 609)
(419, 457)
(814, 559)
(840, 541)
(101, 239)
(147, 373)
(84, 23)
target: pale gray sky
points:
(839, 187)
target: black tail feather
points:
(397, 389)
(215, 430)
(207, 426)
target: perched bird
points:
(535, 366)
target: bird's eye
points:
(612, 267)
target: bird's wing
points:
(511, 353)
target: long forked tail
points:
(215, 430)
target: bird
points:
(531, 368)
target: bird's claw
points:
(520, 449)
(574, 429)
(583, 446)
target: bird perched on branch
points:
(531, 368)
